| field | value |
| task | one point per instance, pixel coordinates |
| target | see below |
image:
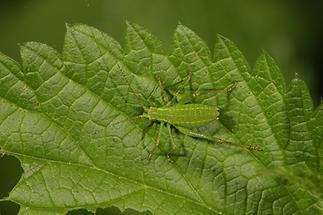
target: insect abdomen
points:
(187, 115)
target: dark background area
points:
(291, 31)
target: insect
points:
(179, 112)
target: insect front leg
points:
(145, 130)
(177, 95)
(165, 98)
(183, 83)
(151, 153)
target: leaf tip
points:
(296, 81)
(131, 25)
(68, 26)
(264, 53)
(30, 44)
(266, 56)
(20, 44)
(181, 26)
(75, 26)
(24, 45)
(296, 76)
(128, 23)
(222, 39)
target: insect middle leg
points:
(151, 153)
(173, 145)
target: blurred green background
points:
(291, 31)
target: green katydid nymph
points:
(184, 115)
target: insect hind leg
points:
(217, 140)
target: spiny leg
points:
(164, 98)
(217, 140)
(145, 130)
(226, 90)
(177, 93)
(182, 85)
(157, 142)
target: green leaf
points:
(65, 117)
